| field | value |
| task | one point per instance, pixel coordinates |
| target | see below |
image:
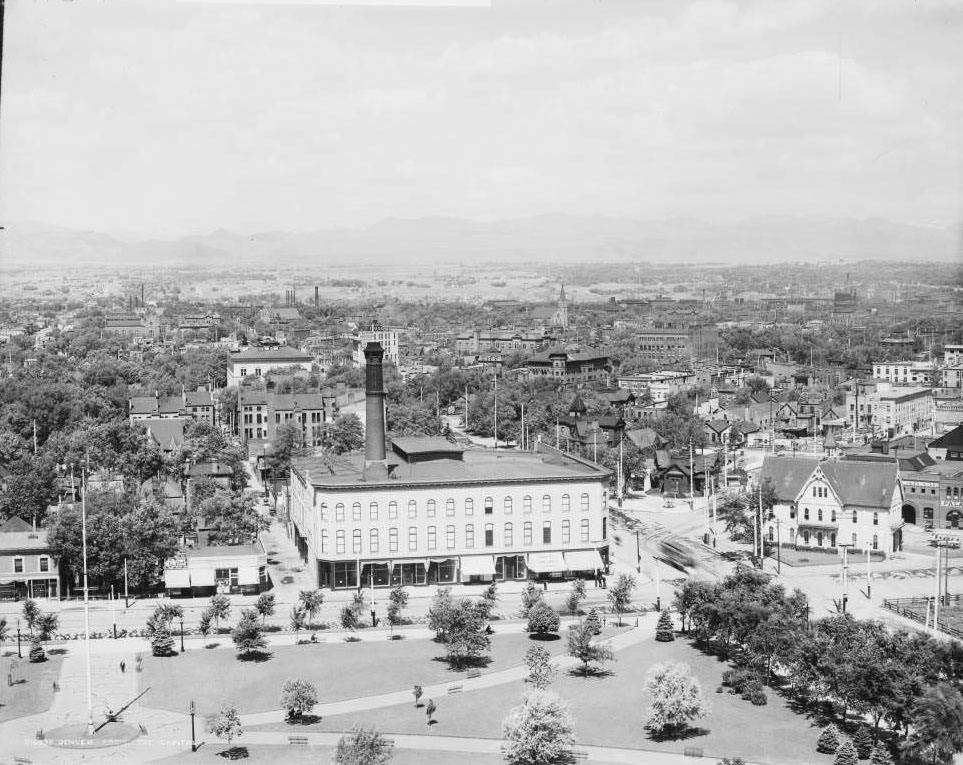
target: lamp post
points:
(182, 634)
(193, 739)
(19, 654)
(845, 548)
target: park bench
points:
(454, 689)
(578, 754)
(473, 673)
(298, 740)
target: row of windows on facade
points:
(431, 507)
(508, 537)
(806, 536)
(832, 516)
(250, 419)
(18, 564)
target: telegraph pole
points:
(845, 548)
(83, 528)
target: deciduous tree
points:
(675, 698)
(539, 731)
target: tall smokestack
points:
(317, 302)
(374, 438)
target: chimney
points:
(375, 465)
(317, 302)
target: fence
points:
(917, 610)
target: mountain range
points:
(545, 238)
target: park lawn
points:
(211, 754)
(609, 711)
(340, 671)
(33, 695)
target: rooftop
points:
(276, 355)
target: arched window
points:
(489, 505)
(527, 503)
(412, 509)
(432, 538)
(339, 511)
(392, 510)
(585, 503)
(469, 535)
(449, 507)
(546, 532)
(324, 511)
(489, 535)
(373, 541)
(875, 542)
(412, 538)
(566, 503)
(819, 514)
(356, 541)
(450, 537)
(566, 531)
(393, 539)
(431, 508)
(546, 503)
(527, 533)
(324, 540)
(586, 534)
(507, 506)
(339, 542)
(373, 511)
(469, 506)
(356, 511)
(509, 533)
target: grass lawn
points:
(609, 711)
(340, 671)
(32, 690)
(210, 754)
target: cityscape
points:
(481, 382)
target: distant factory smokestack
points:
(375, 465)
(317, 302)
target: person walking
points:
(123, 666)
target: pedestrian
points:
(123, 666)
(603, 582)
(545, 585)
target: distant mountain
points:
(552, 238)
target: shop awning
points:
(584, 560)
(543, 563)
(477, 565)
(177, 578)
(203, 577)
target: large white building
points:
(429, 512)
(823, 505)
(388, 338)
(905, 373)
(893, 411)
(257, 362)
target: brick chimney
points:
(375, 464)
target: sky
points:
(161, 118)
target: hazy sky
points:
(157, 117)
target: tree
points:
(161, 642)
(620, 594)
(465, 636)
(345, 434)
(37, 653)
(539, 731)
(287, 442)
(298, 697)
(205, 622)
(575, 596)
(311, 601)
(363, 746)
(265, 605)
(4, 631)
(676, 698)
(863, 741)
(440, 612)
(46, 625)
(489, 598)
(531, 595)
(299, 620)
(31, 612)
(937, 724)
(594, 622)
(880, 755)
(220, 608)
(541, 669)
(397, 602)
(582, 646)
(828, 741)
(542, 618)
(226, 724)
(416, 692)
(846, 754)
(663, 630)
(248, 636)
(430, 711)
(350, 621)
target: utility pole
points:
(869, 576)
(83, 528)
(778, 549)
(845, 548)
(936, 598)
(691, 476)
(496, 410)
(126, 594)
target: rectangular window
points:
(547, 533)
(373, 511)
(412, 539)
(450, 537)
(432, 538)
(566, 532)
(392, 540)
(234, 577)
(469, 536)
(18, 565)
(373, 541)
(324, 540)
(222, 574)
(489, 535)
(356, 541)
(527, 533)
(339, 542)
(585, 530)
(44, 563)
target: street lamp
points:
(182, 634)
(193, 740)
(19, 654)
(845, 548)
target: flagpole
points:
(83, 528)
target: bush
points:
(846, 754)
(828, 741)
(880, 755)
(863, 741)
(593, 620)
(37, 654)
(542, 618)
(663, 630)
(758, 698)
(161, 643)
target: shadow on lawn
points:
(303, 720)
(256, 657)
(57, 651)
(596, 673)
(469, 662)
(546, 637)
(234, 753)
(677, 735)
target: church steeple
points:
(562, 308)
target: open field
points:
(32, 691)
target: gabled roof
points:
(170, 404)
(645, 438)
(199, 398)
(719, 426)
(788, 475)
(282, 355)
(167, 433)
(951, 440)
(15, 524)
(17, 534)
(866, 484)
(143, 405)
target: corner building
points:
(428, 512)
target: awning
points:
(376, 563)
(584, 560)
(477, 565)
(177, 578)
(203, 577)
(542, 563)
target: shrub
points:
(758, 698)
(542, 618)
(161, 642)
(828, 741)
(846, 754)
(663, 630)
(880, 755)
(593, 620)
(37, 654)
(863, 741)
